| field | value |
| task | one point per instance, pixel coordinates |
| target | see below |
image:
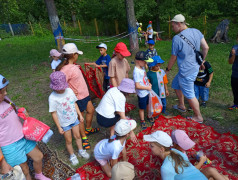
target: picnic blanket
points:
(221, 149)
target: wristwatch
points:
(167, 69)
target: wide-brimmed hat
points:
(160, 137)
(58, 81)
(178, 18)
(123, 170)
(71, 48)
(156, 60)
(54, 52)
(124, 126)
(127, 85)
(3, 82)
(180, 138)
(102, 45)
(122, 49)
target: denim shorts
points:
(82, 104)
(201, 91)
(185, 84)
(107, 122)
(143, 102)
(15, 153)
(70, 126)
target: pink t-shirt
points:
(76, 81)
(10, 125)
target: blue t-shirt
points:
(186, 59)
(191, 172)
(235, 64)
(104, 60)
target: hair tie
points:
(113, 137)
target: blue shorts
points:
(70, 126)
(201, 91)
(185, 84)
(107, 122)
(15, 153)
(82, 104)
(143, 102)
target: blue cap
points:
(149, 26)
(152, 42)
(157, 59)
(3, 82)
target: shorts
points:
(82, 104)
(201, 91)
(102, 162)
(15, 153)
(107, 122)
(185, 84)
(70, 126)
(143, 102)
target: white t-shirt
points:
(55, 63)
(139, 75)
(111, 102)
(106, 151)
(64, 105)
(150, 35)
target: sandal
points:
(179, 109)
(86, 144)
(191, 119)
(92, 131)
(151, 120)
(143, 125)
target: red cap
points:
(150, 22)
(122, 49)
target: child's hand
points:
(203, 159)
(133, 137)
(208, 84)
(61, 131)
(167, 93)
(149, 87)
(26, 113)
(81, 119)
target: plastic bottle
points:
(47, 136)
(76, 176)
(200, 154)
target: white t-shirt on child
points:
(64, 105)
(111, 102)
(106, 151)
(139, 75)
(150, 35)
(55, 63)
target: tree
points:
(132, 26)
(55, 24)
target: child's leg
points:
(142, 114)
(204, 93)
(68, 142)
(210, 172)
(89, 115)
(107, 169)
(164, 103)
(25, 170)
(77, 136)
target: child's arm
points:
(94, 64)
(133, 137)
(138, 86)
(101, 65)
(201, 162)
(122, 114)
(56, 120)
(81, 119)
(124, 157)
(208, 84)
(166, 89)
(113, 162)
(232, 58)
(113, 81)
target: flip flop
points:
(179, 109)
(191, 119)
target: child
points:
(77, 83)
(112, 106)
(154, 32)
(119, 66)
(103, 61)
(159, 81)
(141, 33)
(203, 83)
(150, 32)
(182, 142)
(65, 113)
(142, 85)
(109, 149)
(55, 55)
(151, 52)
(176, 165)
(14, 146)
(123, 170)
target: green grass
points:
(24, 61)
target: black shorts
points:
(82, 104)
(107, 122)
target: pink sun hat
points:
(181, 138)
(58, 81)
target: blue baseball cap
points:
(152, 42)
(149, 26)
(3, 82)
(157, 59)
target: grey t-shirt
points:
(186, 59)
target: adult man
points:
(183, 83)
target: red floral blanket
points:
(221, 149)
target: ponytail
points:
(12, 104)
(64, 61)
(115, 137)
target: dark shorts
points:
(143, 102)
(107, 122)
(82, 104)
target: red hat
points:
(122, 49)
(150, 22)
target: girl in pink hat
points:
(55, 59)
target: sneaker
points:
(143, 125)
(86, 144)
(203, 104)
(233, 107)
(92, 131)
(73, 159)
(84, 154)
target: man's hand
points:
(208, 84)
(233, 52)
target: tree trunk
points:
(55, 24)
(74, 20)
(157, 19)
(132, 26)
